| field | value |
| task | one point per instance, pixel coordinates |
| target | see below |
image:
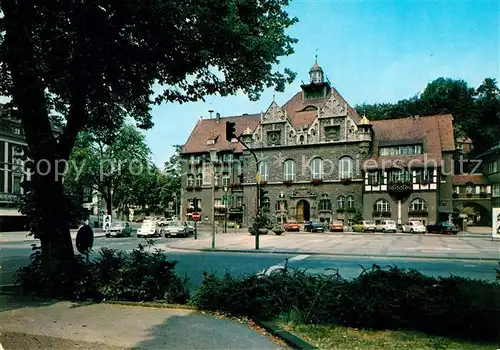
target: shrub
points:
(380, 298)
(260, 222)
(139, 275)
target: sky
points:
(371, 51)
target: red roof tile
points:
(207, 129)
(475, 179)
(435, 133)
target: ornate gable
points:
(332, 108)
(274, 114)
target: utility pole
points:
(213, 158)
(225, 209)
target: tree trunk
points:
(45, 202)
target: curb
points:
(100, 235)
(289, 338)
(157, 305)
(217, 250)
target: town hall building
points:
(319, 160)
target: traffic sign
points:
(196, 216)
(84, 239)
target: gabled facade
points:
(318, 159)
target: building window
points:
(279, 203)
(493, 167)
(340, 202)
(325, 205)
(425, 175)
(373, 178)
(401, 150)
(350, 202)
(225, 179)
(332, 132)
(190, 180)
(239, 201)
(496, 190)
(217, 179)
(316, 169)
(289, 170)
(382, 205)
(199, 180)
(346, 168)
(401, 175)
(263, 170)
(418, 205)
(217, 202)
(266, 204)
(16, 185)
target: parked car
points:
(149, 228)
(291, 226)
(190, 227)
(314, 226)
(176, 229)
(414, 227)
(364, 226)
(386, 226)
(336, 226)
(231, 224)
(119, 229)
(443, 227)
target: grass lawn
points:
(332, 338)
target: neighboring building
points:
(12, 147)
(319, 160)
(407, 176)
(491, 168)
(472, 198)
(464, 145)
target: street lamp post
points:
(213, 159)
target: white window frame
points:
(383, 205)
(316, 168)
(289, 167)
(495, 190)
(341, 204)
(346, 168)
(418, 204)
(198, 180)
(225, 179)
(190, 180)
(264, 170)
(349, 202)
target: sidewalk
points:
(385, 245)
(23, 236)
(57, 325)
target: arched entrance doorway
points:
(303, 211)
(475, 213)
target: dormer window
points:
(212, 141)
(405, 150)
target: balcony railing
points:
(471, 195)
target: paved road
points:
(16, 254)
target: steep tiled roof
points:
(206, 129)
(475, 179)
(435, 132)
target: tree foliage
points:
(118, 170)
(94, 63)
(476, 112)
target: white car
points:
(386, 226)
(149, 229)
(414, 227)
(176, 229)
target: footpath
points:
(29, 324)
(426, 246)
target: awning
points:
(10, 212)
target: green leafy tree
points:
(95, 63)
(116, 170)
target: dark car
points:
(443, 227)
(314, 226)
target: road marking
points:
(299, 257)
(470, 265)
